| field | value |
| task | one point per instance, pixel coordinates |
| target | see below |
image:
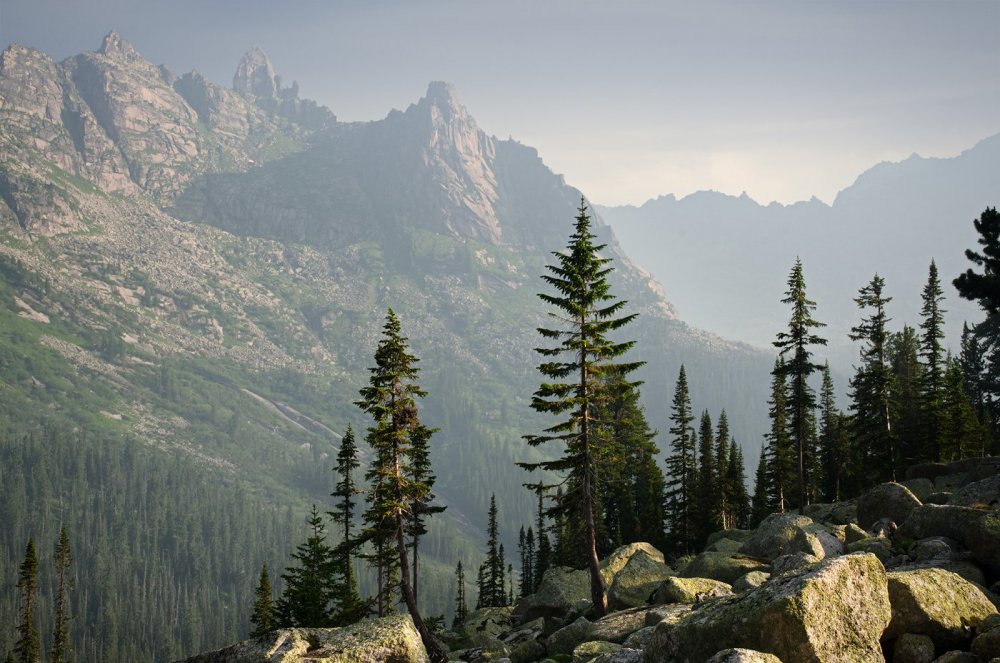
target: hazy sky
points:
(629, 100)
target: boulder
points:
(935, 603)
(951, 482)
(926, 471)
(640, 638)
(933, 548)
(888, 500)
(939, 497)
(876, 546)
(636, 582)
(957, 656)
(387, 640)
(832, 612)
(773, 536)
(854, 533)
(617, 626)
(806, 543)
(787, 563)
(987, 645)
(913, 648)
(922, 487)
(588, 651)
(836, 513)
(690, 590)
(977, 530)
(743, 656)
(739, 535)
(526, 643)
(560, 592)
(967, 570)
(750, 581)
(485, 625)
(724, 546)
(616, 561)
(623, 655)
(565, 640)
(667, 613)
(984, 493)
(724, 567)
(830, 542)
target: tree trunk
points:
(598, 595)
(434, 650)
(416, 557)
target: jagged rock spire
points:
(255, 75)
(115, 46)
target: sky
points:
(628, 100)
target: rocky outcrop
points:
(834, 611)
(778, 534)
(690, 590)
(724, 567)
(888, 500)
(977, 530)
(387, 640)
(635, 583)
(562, 589)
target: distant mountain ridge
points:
(893, 219)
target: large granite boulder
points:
(387, 640)
(636, 582)
(485, 625)
(888, 500)
(832, 612)
(936, 603)
(588, 651)
(562, 589)
(978, 530)
(565, 640)
(984, 493)
(690, 590)
(986, 645)
(620, 557)
(724, 567)
(750, 581)
(743, 656)
(774, 536)
(617, 626)
(913, 648)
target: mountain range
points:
(194, 279)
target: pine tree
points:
(526, 550)
(461, 609)
(305, 601)
(780, 456)
(832, 441)
(263, 618)
(907, 378)
(394, 495)
(681, 470)
(760, 507)
(961, 434)
(797, 368)
(60, 633)
(872, 386)
(706, 486)
(720, 472)
(582, 357)
(931, 349)
(543, 551)
(349, 605)
(492, 592)
(27, 648)
(984, 287)
(736, 484)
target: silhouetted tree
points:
(682, 469)
(27, 647)
(60, 632)
(263, 617)
(932, 351)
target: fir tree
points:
(305, 601)
(973, 367)
(832, 441)
(60, 633)
(932, 333)
(349, 605)
(422, 476)
(907, 378)
(461, 609)
(780, 456)
(27, 648)
(961, 435)
(720, 472)
(583, 354)
(510, 584)
(736, 484)
(543, 550)
(526, 549)
(394, 496)
(263, 617)
(492, 593)
(706, 487)
(798, 366)
(760, 507)
(681, 469)
(872, 385)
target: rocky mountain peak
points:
(255, 75)
(443, 96)
(115, 46)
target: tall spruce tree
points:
(707, 515)
(582, 356)
(907, 379)
(760, 506)
(305, 601)
(461, 607)
(543, 551)
(738, 501)
(780, 455)
(492, 592)
(682, 470)
(872, 386)
(932, 351)
(349, 605)
(394, 496)
(795, 348)
(263, 616)
(833, 441)
(720, 472)
(971, 360)
(60, 632)
(961, 434)
(27, 647)
(983, 287)
(420, 474)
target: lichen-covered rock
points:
(913, 648)
(957, 656)
(966, 569)
(922, 487)
(667, 613)
(690, 590)
(565, 640)
(831, 544)
(387, 640)
(617, 560)
(724, 567)
(636, 582)
(987, 645)
(774, 535)
(485, 625)
(743, 656)
(623, 655)
(933, 548)
(617, 626)
(876, 546)
(939, 497)
(888, 500)
(587, 651)
(526, 642)
(561, 589)
(978, 530)
(750, 581)
(853, 533)
(832, 612)
(978, 494)
(724, 546)
(787, 563)
(640, 638)
(739, 535)
(935, 603)
(807, 543)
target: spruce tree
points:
(973, 367)
(795, 347)
(872, 385)
(582, 355)
(706, 487)
(528, 563)
(832, 441)
(961, 434)
(907, 379)
(720, 472)
(27, 647)
(543, 551)
(739, 500)
(492, 592)
(420, 475)
(461, 608)
(780, 455)
(263, 617)
(681, 470)
(760, 507)
(932, 351)
(305, 601)
(60, 632)
(349, 605)
(394, 495)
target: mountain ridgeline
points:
(194, 278)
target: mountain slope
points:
(894, 219)
(202, 273)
